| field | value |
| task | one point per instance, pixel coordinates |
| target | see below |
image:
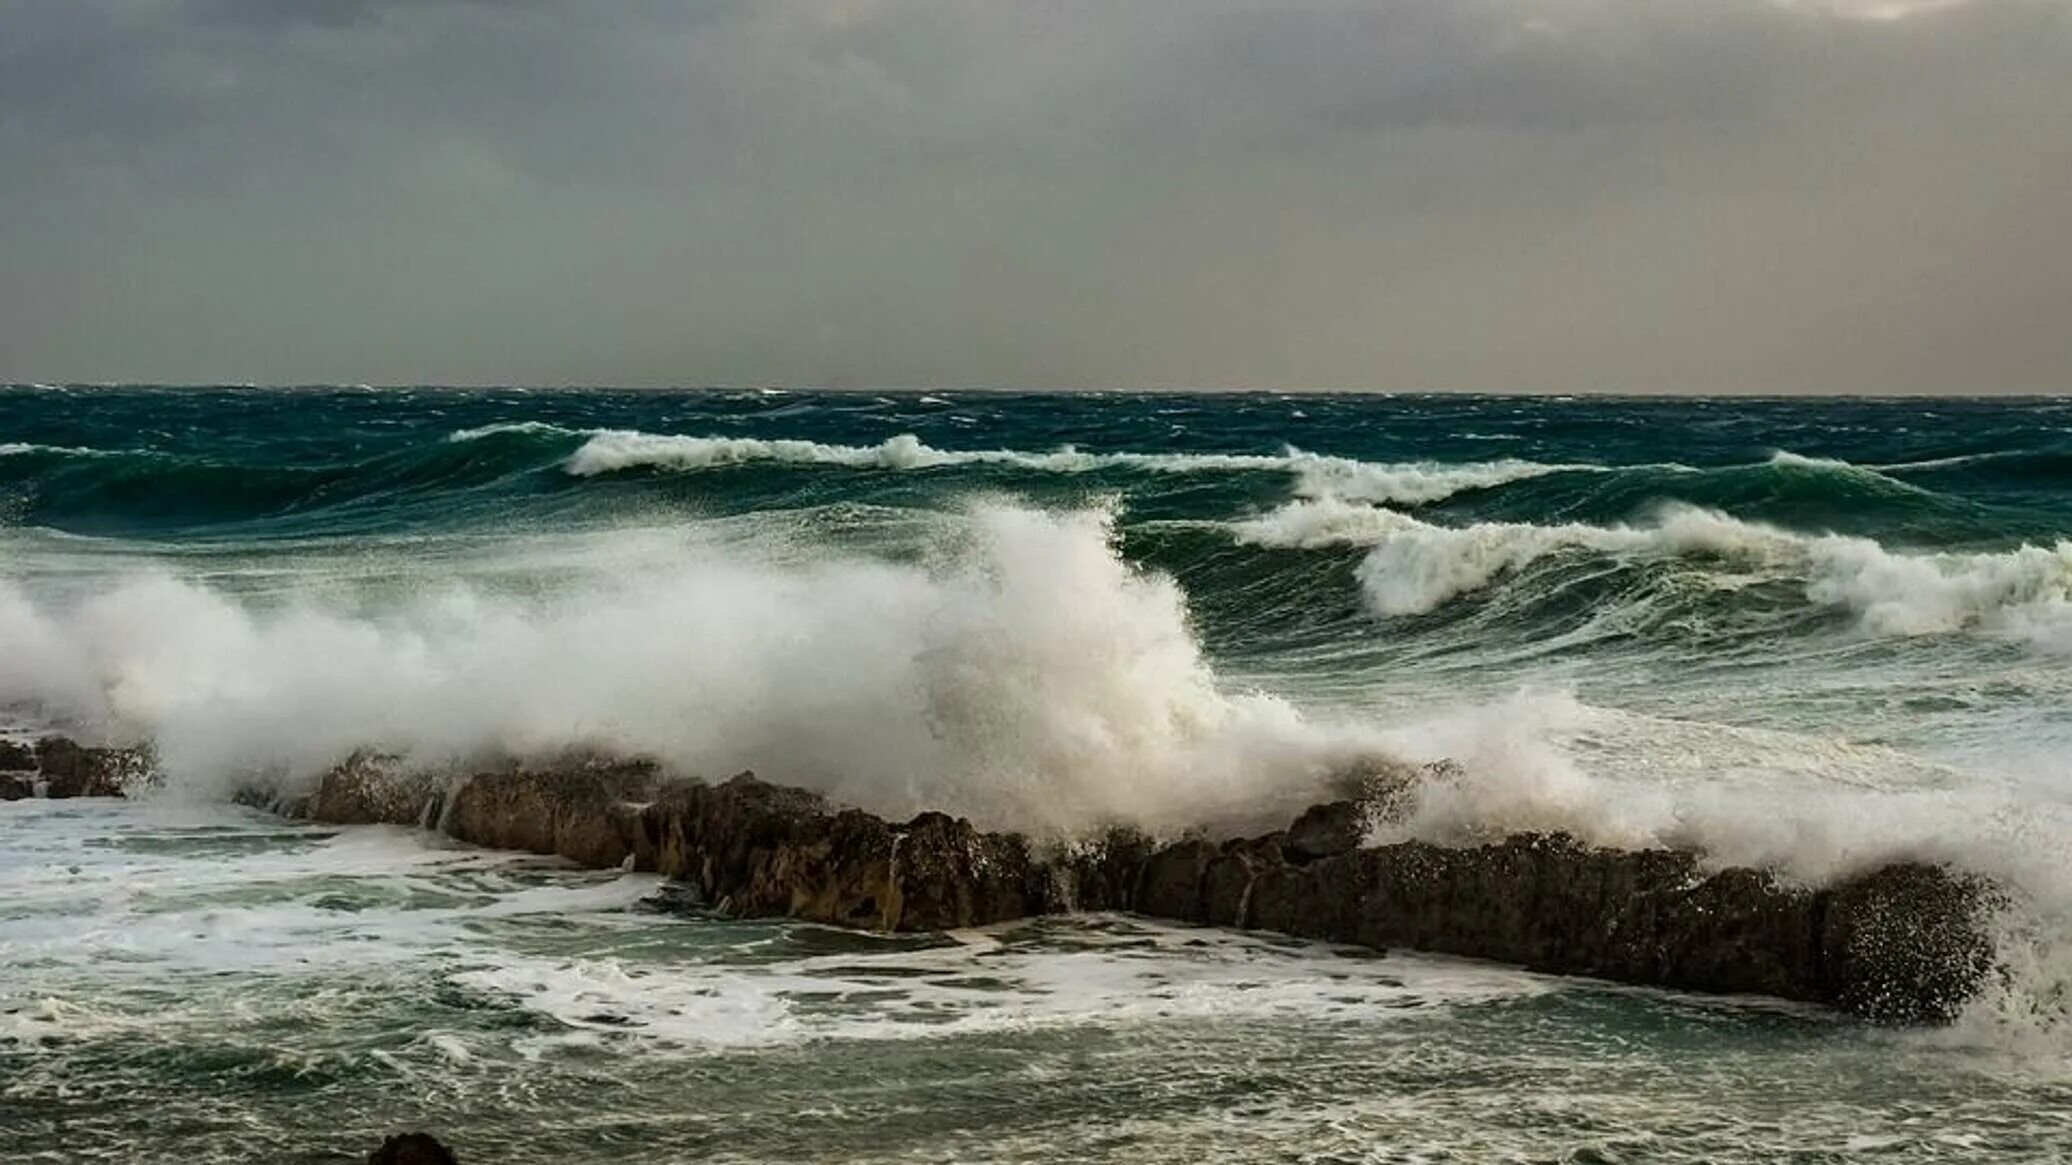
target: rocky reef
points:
(57, 766)
(1905, 942)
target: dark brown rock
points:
(1902, 943)
(587, 812)
(70, 769)
(16, 757)
(1327, 830)
(1908, 943)
(412, 1149)
(951, 875)
(372, 788)
(1171, 884)
(1103, 874)
(17, 786)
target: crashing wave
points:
(1038, 680)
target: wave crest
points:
(1408, 483)
(1414, 567)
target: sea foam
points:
(1030, 678)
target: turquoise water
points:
(1807, 634)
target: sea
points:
(1807, 634)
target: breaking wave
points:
(1036, 679)
(1415, 566)
(1409, 483)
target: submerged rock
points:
(1904, 943)
(412, 1149)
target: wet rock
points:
(587, 811)
(412, 1149)
(70, 769)
(674, 897)
(753, 848)
(1327, 830)
(17, 786)
(16, 757)
(1908, 943)
(1104, 874)
(373, 788)
(1171, 884)
(948, 874)
(1905, 943)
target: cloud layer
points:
(1552, 195)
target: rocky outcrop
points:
(1904, 943)
(56, 766)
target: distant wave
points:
(1409, 483)
(1415, 566)
(1785, 459)
(21, 449)
(507, 427)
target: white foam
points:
(1113, 972)
(1030, 676)
(504, 427)
(20, 449)
(1409, 483)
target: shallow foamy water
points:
(205, 984)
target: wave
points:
(1409, 483)
(23, 449)
(1784, 459)
(502, 428)
(1036, 679)
(1414, 566)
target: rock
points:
(1908, 943)
(16, 757)
(1904, 943)
(949, 875)
(70, 769)
(412, 1149)
(1104, 874)
(1327, 830)
(587, 812)
(1171, 884)
(373, 788)
(17, 786)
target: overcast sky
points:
(1504, 195)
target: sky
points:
(1409, 195)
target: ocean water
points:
(1807, 634)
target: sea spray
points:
(1035, 679)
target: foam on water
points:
(528, 1015)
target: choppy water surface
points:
(209, 985)
(1807, 634)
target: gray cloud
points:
(1478, 194)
